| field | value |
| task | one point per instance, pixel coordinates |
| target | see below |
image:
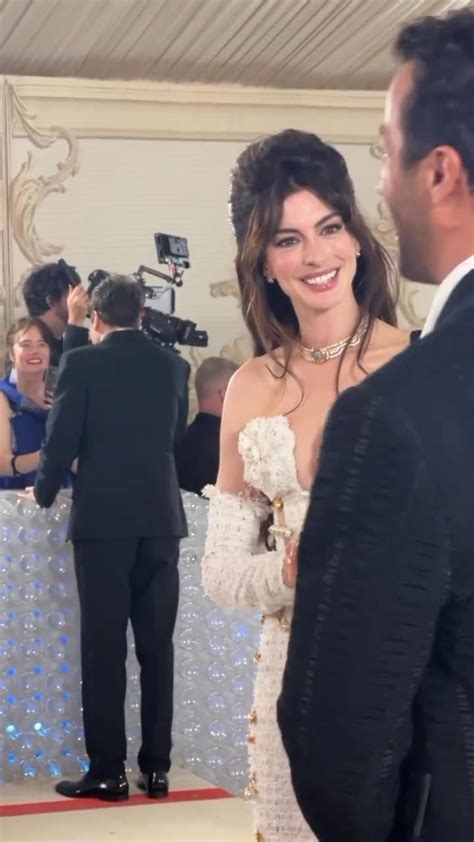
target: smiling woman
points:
(318, 300)
(303, 201)
(23, 409)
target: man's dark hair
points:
(118, 300)
(440, 109)
(50, 281)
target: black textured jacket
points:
(377, 707)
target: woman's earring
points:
(358, 253)
(270, 280)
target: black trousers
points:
(136, 579)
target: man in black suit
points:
(197, 457)
(120, 405)
(54, 293)
(377, 706)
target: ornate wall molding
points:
(385, 231)
(239, 351)
(6, 257)
(225, 289)
(28, 192)
(199, 112)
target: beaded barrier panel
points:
(40, 708)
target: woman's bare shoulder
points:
(252, 389)
(256, 372)
(388, 338)
(385, 343)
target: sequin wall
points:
(40, 707)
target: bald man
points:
(197, 456)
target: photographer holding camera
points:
(54, 293)
(120, 406)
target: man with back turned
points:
(119, 408)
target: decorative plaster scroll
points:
(224, 289)
(27, 192)
(239, 352)
(386, 233)
(384, 230)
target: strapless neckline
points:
(281, 420)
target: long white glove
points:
(233, 571)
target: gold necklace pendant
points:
(318, 355)
(331, 352)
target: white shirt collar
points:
(444, 292)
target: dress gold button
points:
(253, 717)
(257, 657)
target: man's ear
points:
(446, 172)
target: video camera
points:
(158, 322)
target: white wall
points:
(158, 159)
(125, 191)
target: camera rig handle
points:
(175, 277)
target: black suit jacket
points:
(377, 705)
(119, 406)
(197, 457)
(74, 337)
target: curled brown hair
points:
(268, 171)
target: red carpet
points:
(65, 805)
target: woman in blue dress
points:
(23, 404)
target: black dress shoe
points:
(155, 784)
(107, 789)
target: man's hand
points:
(77, 305)
(28, 493)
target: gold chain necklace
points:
(330, 352)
